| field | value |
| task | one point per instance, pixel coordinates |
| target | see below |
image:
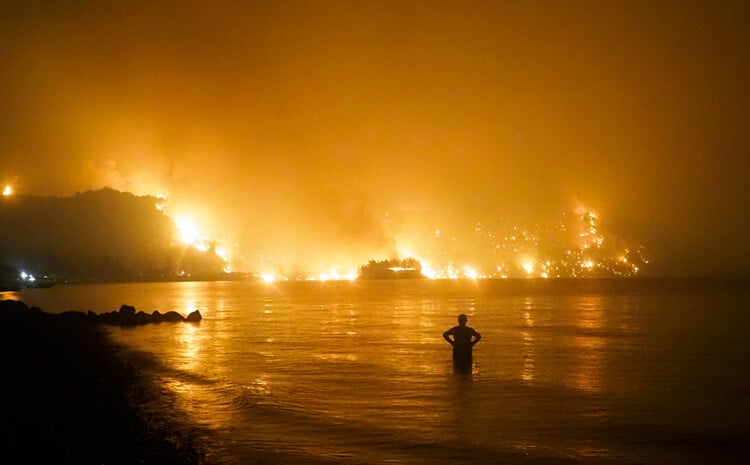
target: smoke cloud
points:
(308, 136)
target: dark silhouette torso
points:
(463, 337)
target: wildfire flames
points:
(573, 247)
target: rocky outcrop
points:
(126, 316)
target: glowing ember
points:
(575, 247)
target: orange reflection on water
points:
(9, 295)
(528, 371)
(196, 348)
(191, 294)
(187, 336)
(427, 328)
(258, 386)
(414, 336)
(331, 357)
(591, 313)
(587, 372)
(527, 374)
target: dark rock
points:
(173, 317)
(127, 310)
(15, 307)
(36, 310)
(126, 316)
(109, 317)
(73, 316)
(142, 318)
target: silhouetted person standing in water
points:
(463, 341)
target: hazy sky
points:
(295, 126)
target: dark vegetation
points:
(391, 269)
(102, 235)
(71, 398)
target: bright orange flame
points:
(189, 232)
(428, 271)
(470, 272)
(516, 253)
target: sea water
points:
(587, 371)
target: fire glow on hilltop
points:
(189, 234)
(573, 247)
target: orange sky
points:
(297, 125)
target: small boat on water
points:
(40, 283)
(11, 281)
(29, 281)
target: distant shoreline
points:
(411, 278)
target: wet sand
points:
(69, 397)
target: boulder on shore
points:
(128, 316)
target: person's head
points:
(462, 319)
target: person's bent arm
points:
(446, 336)
(477, 337)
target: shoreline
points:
(72, 397)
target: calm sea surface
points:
(632, 372)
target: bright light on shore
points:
(470, 272)
(8, 190)
(427, 271)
